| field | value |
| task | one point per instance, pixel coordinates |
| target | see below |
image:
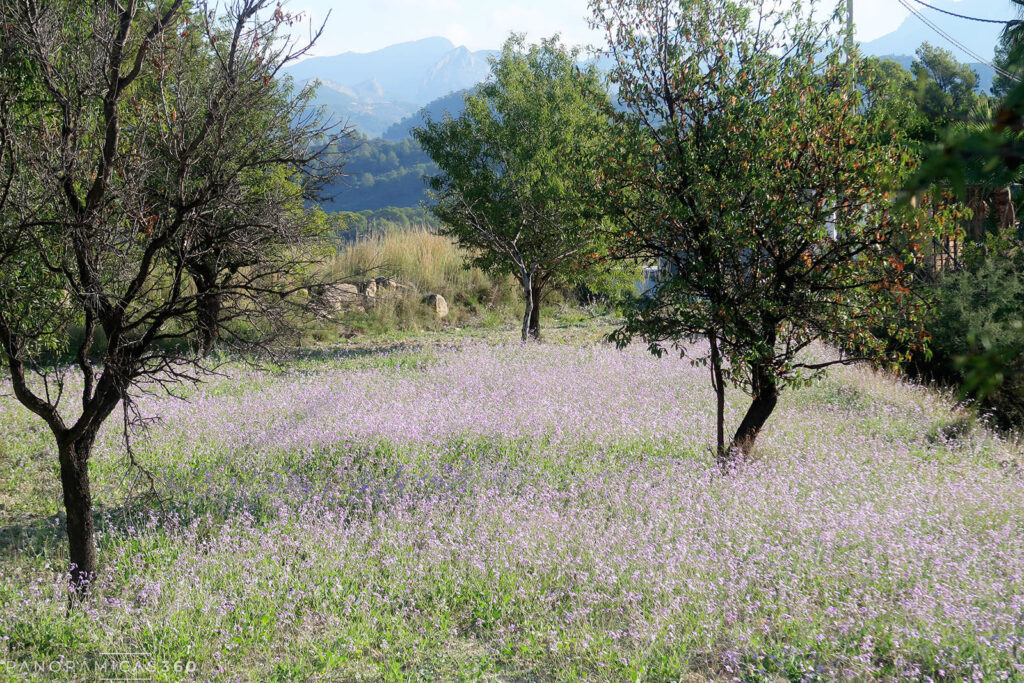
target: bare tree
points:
(156, 166)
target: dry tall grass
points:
(430, 263)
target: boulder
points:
(339, 297)
(437, 303)
(387, 286)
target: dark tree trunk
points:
(766, 397)
(526, 280)
(534, 325)
(74, 476)
(718, 385)
(208, 306)
(208, 321)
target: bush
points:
(976, 327)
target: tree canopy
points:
(747, 168)
(145, 146)
(945, 92)
(517, 166)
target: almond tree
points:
(517, 167)
(137, 151)
(749, 170)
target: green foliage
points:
(978, 318)
(33, 300)
(380, 174)
(761, 182)
(945, 92)
(936, 99)
(1003, 83)
(890, 93)
(936, 96)
(991, 148)
(977, 330)
(518, 164)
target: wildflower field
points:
(495, 511)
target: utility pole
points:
(849, 40)
(849, 28)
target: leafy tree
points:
(516, 166)
(937, 95)
(1008, 71)
(945, 87)
(128, 162)
(749, 170)
(977, 326)
(991, 150)
(887, 94)
(258, 224)
(945, 92)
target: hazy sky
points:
(366, 25)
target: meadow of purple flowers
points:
(530, 512)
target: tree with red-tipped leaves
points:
(748, 166)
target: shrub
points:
(977, 318)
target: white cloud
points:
(458, 34)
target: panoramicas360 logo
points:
(104, 666)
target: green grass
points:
(481, 555)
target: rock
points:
(385, 283)
(437, 302)
(339, 297)
(342, 289)
(387, 286)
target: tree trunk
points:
(526, 279)
(208, 321)
(766, 397)
(208, 305)
(74, 477)
(534, 324)
(717, 383)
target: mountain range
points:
(979, 38)
(374, 90)
(387, 92)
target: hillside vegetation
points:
(380, 174)
(451, 105)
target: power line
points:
(930, 24)
(961, 16)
